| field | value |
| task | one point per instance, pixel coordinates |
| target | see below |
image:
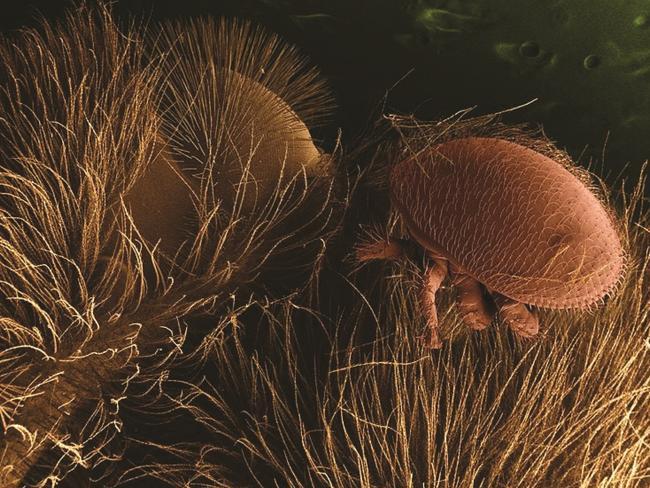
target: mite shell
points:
(505, 220)
(512, 218)
(236, 104)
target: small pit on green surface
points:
(592, 61)
(529, 49)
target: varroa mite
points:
(500, 216)
(233, 97)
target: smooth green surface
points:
(587, 61)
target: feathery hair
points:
(354, 400)
(92, 301)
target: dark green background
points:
(586, 61)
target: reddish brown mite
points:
(502, 217)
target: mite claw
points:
(433, 278)
(521, 320)
(470, 301)
(527, 327)
(477, 320)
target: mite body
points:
(505, 220)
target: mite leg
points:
(433, 278)
(469, 298)
(390, 249)
(521, 320)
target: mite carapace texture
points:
(508, 220)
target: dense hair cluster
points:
(112, 229)
(354, 400)
(173, 308)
